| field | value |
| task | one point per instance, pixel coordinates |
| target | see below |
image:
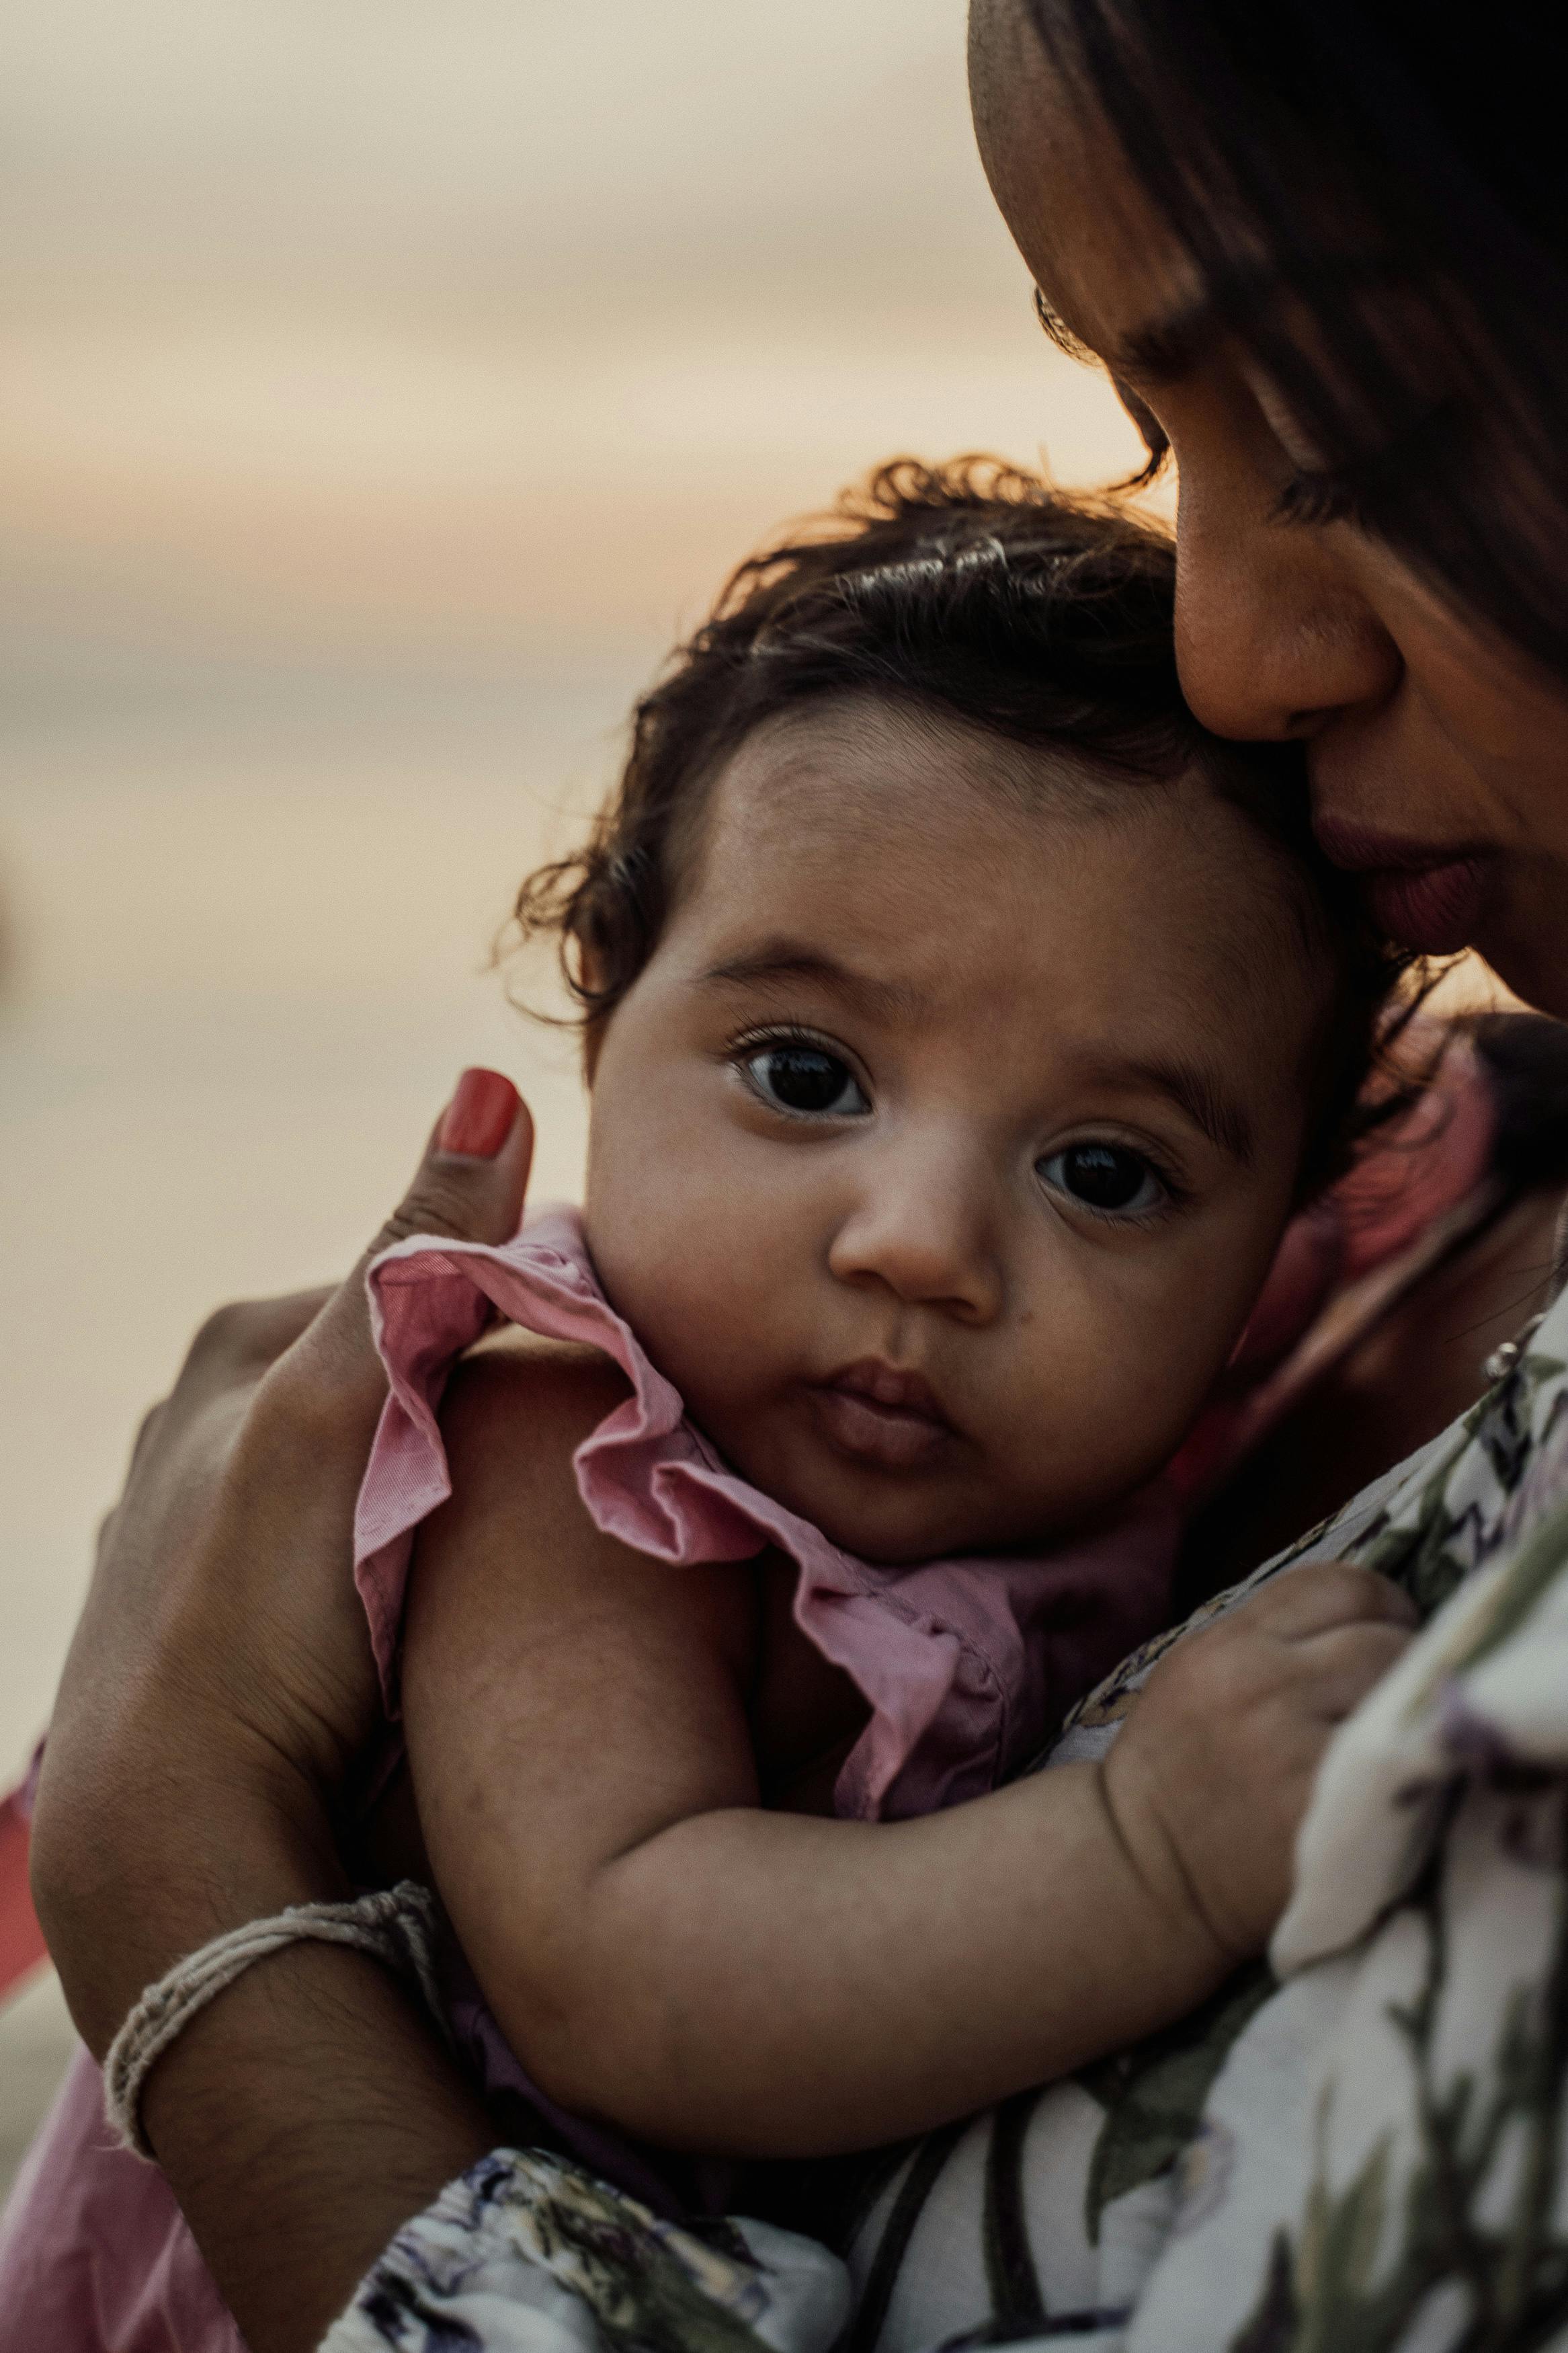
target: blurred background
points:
(383, 386)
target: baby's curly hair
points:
(975, 589)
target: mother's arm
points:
(218, 1693)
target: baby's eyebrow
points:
(1200, 1094)
(794, 960)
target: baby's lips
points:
(886, 1385)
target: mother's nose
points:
(1276, 636)
(925, 1230)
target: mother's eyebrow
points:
(794, 960)
(1234, 301)
(1161, 351)
(1200, 1094)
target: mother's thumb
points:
(471, 1181)
(468, 1187)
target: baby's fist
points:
(1210, 1776)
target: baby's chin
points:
(886, 1539)
(899, 1521)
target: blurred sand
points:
(380, 388)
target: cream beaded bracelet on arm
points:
(394, 1925)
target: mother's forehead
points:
(1102, 254)
(1122, 279)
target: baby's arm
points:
(665, 1956)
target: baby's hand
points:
(1210, 1778)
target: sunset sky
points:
(334, 328)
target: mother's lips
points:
(1435, 908)
(1429, 899)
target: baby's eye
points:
(807, 1078)
(1105, 1176)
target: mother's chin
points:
(1436, 910)
(1522, 931)
(1517, 921)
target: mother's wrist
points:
(132, 1872)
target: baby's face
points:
(939, 1151)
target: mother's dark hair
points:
(1375, 196)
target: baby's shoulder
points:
(559, 1390)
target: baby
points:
(963, 1027)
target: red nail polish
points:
(480, 1117)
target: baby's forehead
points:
(916, 836)
(905, 767)
(857, 782)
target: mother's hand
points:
(220, 1685)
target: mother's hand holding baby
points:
(222, 1677)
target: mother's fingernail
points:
(480, 1117)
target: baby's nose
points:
(927, 1231)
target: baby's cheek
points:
(661, 1212)
(1107, 1411)
(684, 1288)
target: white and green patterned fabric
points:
(1357, 2149)
(527, 2253)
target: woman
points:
(1321, 248)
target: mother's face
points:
(1438, 761)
